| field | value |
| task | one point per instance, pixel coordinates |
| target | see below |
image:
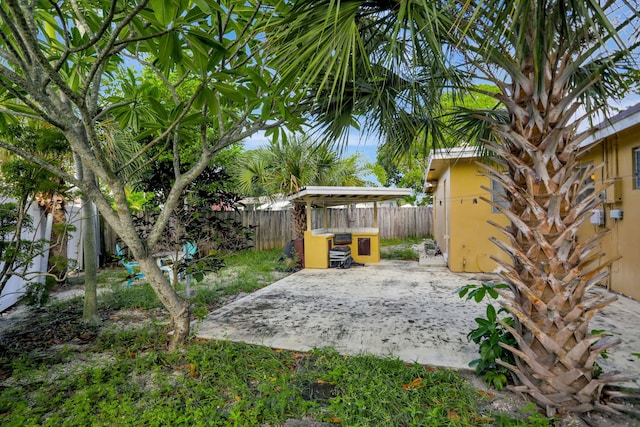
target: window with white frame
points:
(497, 196)
(636, 168)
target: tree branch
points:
(28, 31)
(13, 30)
(19, 82)
(40, 162)
(167, 131)
(106, 52)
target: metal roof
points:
(336, 196)
(616, 124)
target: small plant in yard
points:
(532, 418)
(597, 371)
(489, 335)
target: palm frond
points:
(120, 146)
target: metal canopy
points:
(337, 196)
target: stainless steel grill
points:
(340, 257)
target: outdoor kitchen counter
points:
(354, 231)
(364, 244)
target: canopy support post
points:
(324, 217)
(375, 214)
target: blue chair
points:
(188, 252)
(190, 249)
(128, 265)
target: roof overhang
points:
(440, 159)
(335, 196)
(616, 124)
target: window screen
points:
(497, 190)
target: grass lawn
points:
(57, 371)
(401, 249)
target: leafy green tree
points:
(57, 58)
(25, 184)
(554, 64)
(192, 220)
(290, 163)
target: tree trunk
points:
(299, 220)
(90, 309)
(550, 272)
(178, 308)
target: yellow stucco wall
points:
(462, 216)
(317, 244)
(374, 247)
(316, 249)
(624, 238)
(461, 231)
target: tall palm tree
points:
(289, 164)
(555, 64)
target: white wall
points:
(16, 286)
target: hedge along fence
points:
(273, 229)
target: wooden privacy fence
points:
(273, 229)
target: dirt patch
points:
(507, 402)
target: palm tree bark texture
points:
(551, 271)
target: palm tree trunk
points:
(550, 271)
(59, 235)
(299, 220)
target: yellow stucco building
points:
(619, 150)
(459, 215)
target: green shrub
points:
(489, 335)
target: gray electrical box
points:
(616, 213)
(597, 217)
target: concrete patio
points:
(395, 308)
